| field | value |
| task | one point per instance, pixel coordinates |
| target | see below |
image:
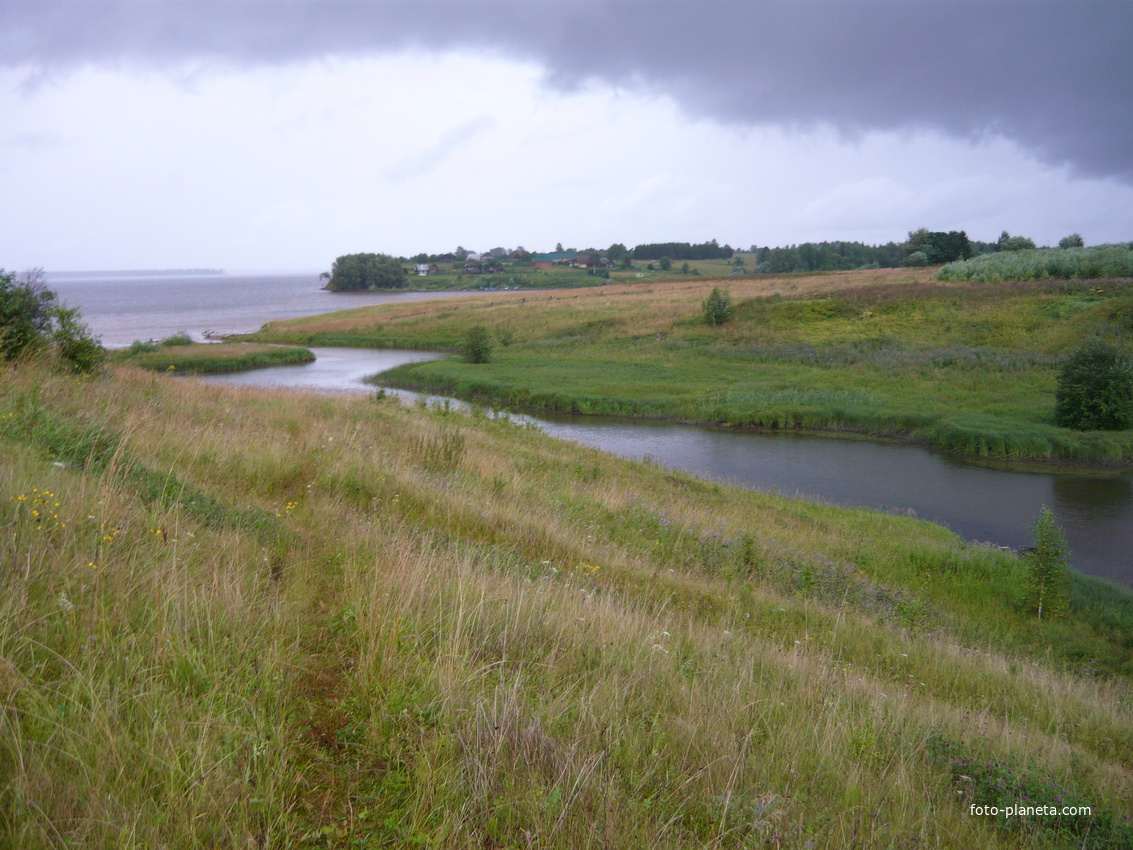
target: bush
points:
(717, 307)
(1114, 260)
(181, 338)
(138, 347)
(1048, 568)
(72, 339)
(25, 313)
(31, 317)
(477, 346)
(1095, 389)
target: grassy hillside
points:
(966, 366)
(251, 618)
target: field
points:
(256, 618)
(965, 366)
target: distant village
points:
(491, 262)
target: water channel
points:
(979, 502)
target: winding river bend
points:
(978, 502)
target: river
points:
(979, 502)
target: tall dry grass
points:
(255, 618)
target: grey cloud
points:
(1055, 76)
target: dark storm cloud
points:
(1056, 76)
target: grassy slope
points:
(250, 617)
(970, 367)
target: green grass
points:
(971, 368)
(187, 358)
(248, 617)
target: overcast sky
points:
(279, 134)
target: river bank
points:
(980, 499)
(969, 368)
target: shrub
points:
(177, 339)
(1048, 568)
(1095, 389)
(1115, 260)
(72, 339)
(477, 346)
(25, 313)
(717, 307)
(138, 347)
(31, 317)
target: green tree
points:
(477, 347)
(936, 247)
(665, 264)
(360, 272)
(1007, 242)
(717, 307)
(1095, 389)
(25, 313)
(1074, 240)
(32, 318)
(1048, 568)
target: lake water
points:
(122, 308)
(976, 501)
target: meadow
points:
(241, 617)
(966, 366)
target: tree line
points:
(922, 248)
(683, 251)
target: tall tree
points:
(360, 272)
(1007, 242)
